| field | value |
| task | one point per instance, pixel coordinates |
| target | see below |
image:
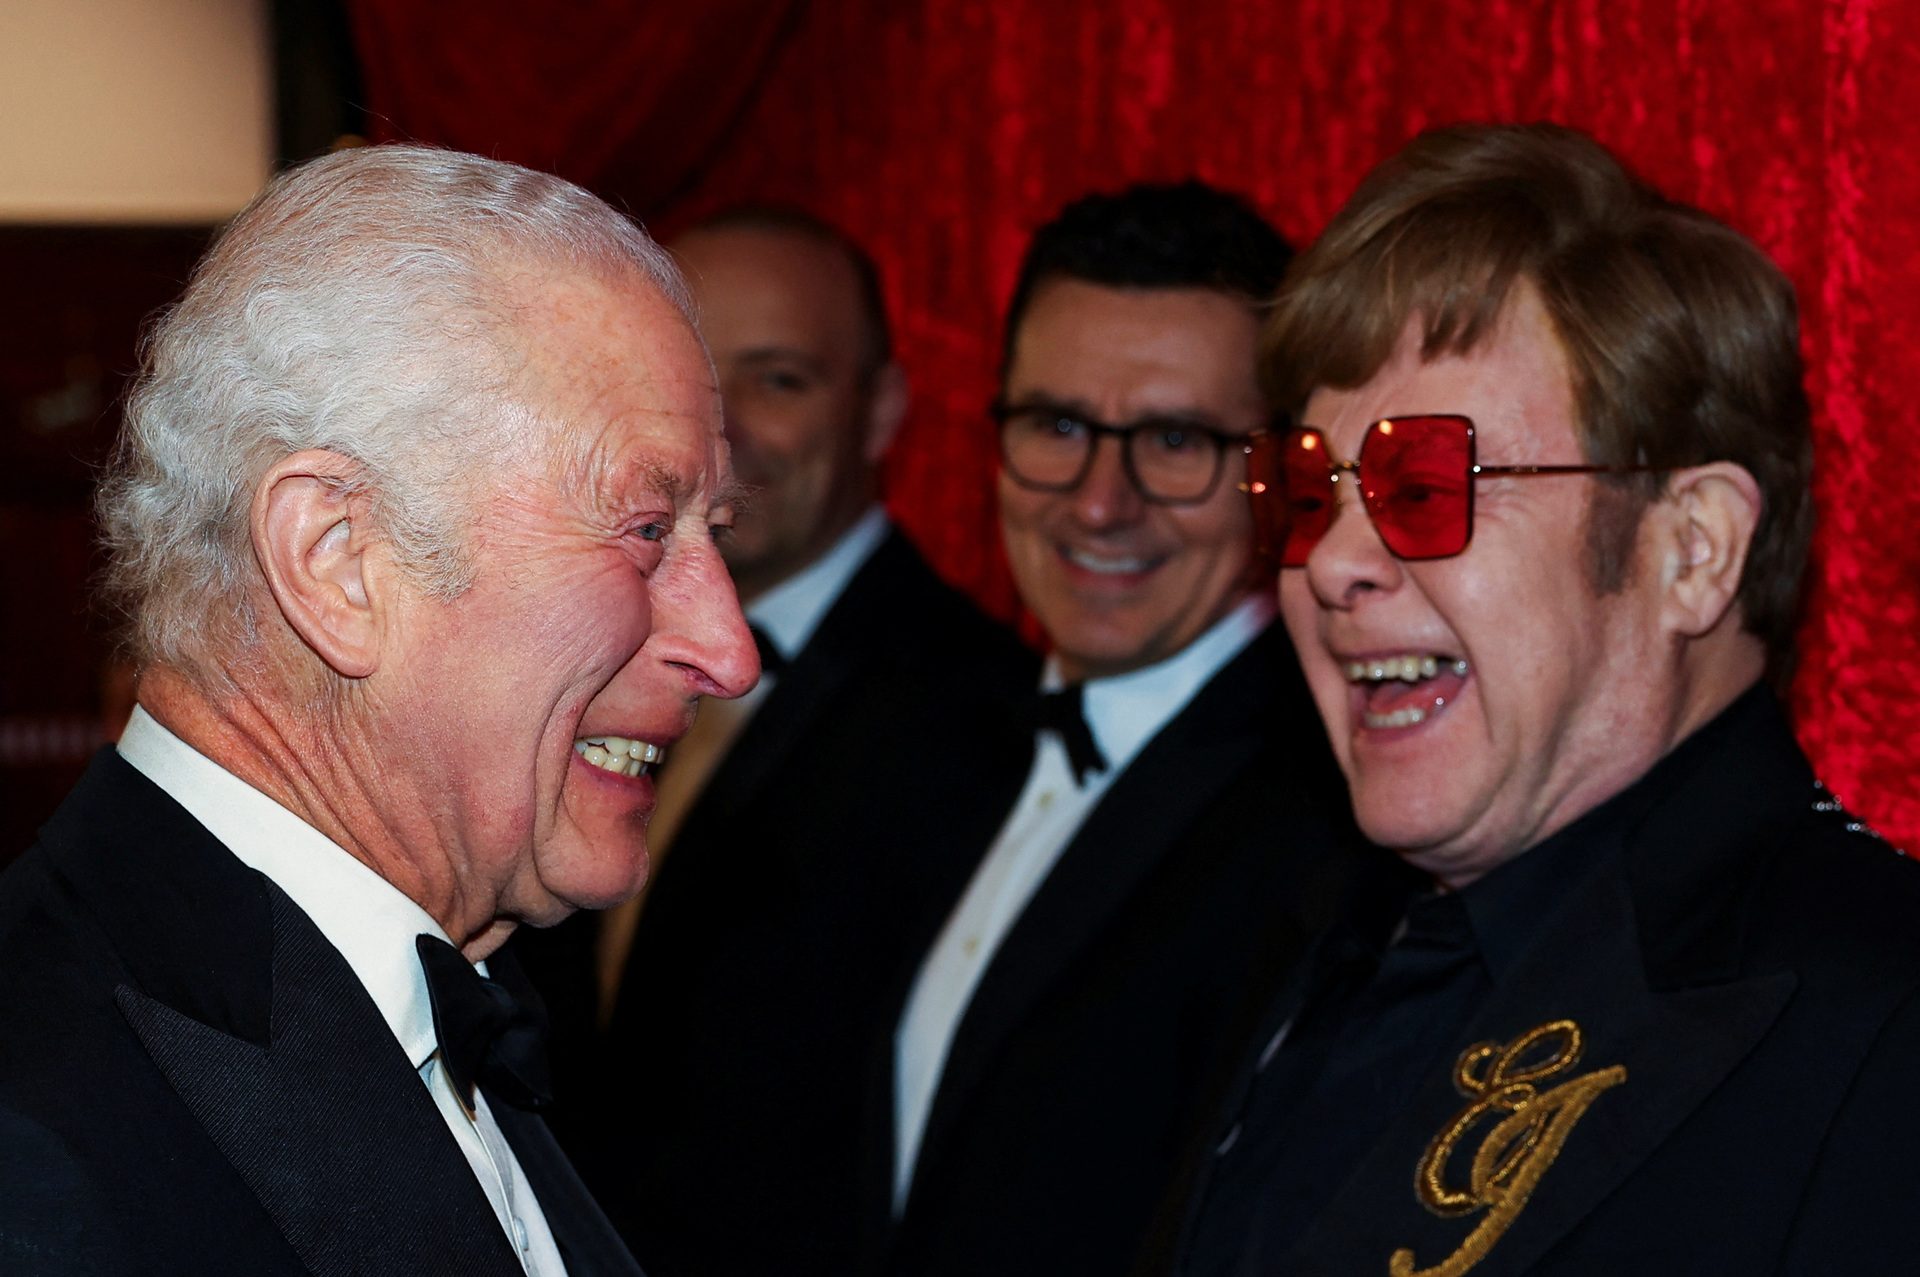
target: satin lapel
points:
(1675, 1048)
(153, 876)
(261, 1028)
(329, 1124)
(1139, 821)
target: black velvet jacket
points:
(193, 1081)
(1701, 1057)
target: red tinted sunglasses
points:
(1415, 475)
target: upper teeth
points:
(1405, 669)
(619, 755)
(1094, 563)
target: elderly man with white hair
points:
(414, 530)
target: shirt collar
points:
(791, 611)
(1126, 711)
(1512, 902)
(361, 914)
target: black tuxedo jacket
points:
(719, 1116)
(193, 1081)
(1070, 1089)
(1744, 968)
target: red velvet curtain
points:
(584, 88)
(940, 133)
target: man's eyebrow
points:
(757, 355)
(1040, 401)
(731, 494)
(649, 474)
(1079, 410)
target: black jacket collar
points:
(1643, 951)
(262, 1029)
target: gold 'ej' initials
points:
(1519, 1147)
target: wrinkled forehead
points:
(589, 322)
(608, 371)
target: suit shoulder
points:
(40, 925)
(23, 884)
(65, 1042)
(56, 969)
(1840, 897)
(53, 1217)
(927, 621)
(1743, 844)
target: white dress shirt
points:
(791, 611)
(1123, 713)
(374, 926)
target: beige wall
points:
(132, 110)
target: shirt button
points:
(520, 1234)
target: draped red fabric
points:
(583, 89)
(940, 133)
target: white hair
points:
(356, 305)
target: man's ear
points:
(1705, 523)
(311, 539)
(886, 409)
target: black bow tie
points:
(487, 1034)
(1063, 712)
(773, 661)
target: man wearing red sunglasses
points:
(1542, 511)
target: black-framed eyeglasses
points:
(1416, 477)
(1170, 460)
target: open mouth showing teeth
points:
(1108, 565)
(1405, 690)
(619, 755)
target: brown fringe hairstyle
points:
(1682, 337)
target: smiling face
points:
(600, 610)
(1482, 702)
(783, 314)
(1119, 583)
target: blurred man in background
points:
(718, 1101)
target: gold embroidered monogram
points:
(1517, 1150)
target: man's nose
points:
(1350, 561)
(1107, 495)
(710, 638)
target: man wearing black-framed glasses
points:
(1093, 958)
(1542, 508)
(1169, 459)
